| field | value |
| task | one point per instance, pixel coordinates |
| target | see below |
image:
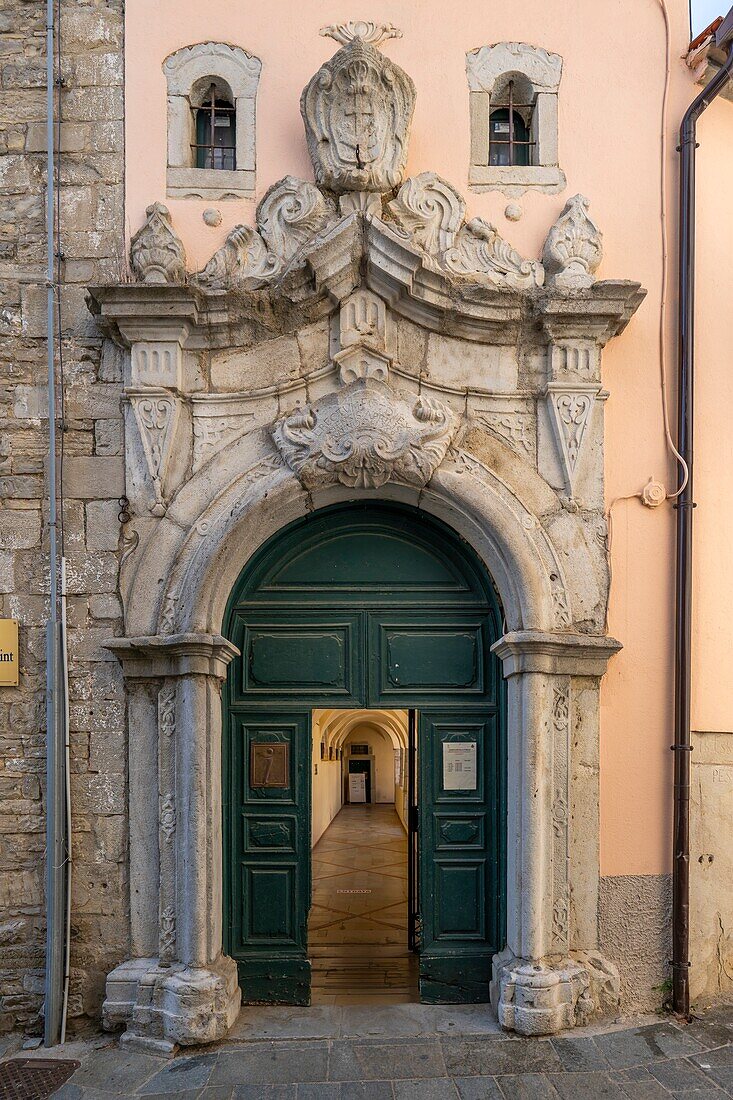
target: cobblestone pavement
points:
(417, 1052)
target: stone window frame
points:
(488, 70)
(185, 71)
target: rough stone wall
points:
(91, 176)
(634, 929)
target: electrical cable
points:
(665, 260)
(663, 305)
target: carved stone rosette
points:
(364, 436)
(357, 111)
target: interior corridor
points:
(357, 931)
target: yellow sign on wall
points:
(8, 652)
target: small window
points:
(510, 143)
(359, 750)
(216, 127)
(212, 91)
(514, 118)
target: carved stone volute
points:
(156, 253)
(357, 111)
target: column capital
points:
(523, 651)
(156, 656)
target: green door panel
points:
(312, 658)
(460, 810)
(269, 830)
(367, 605)
(430, 656)
(354, 555)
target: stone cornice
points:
(160, 656)
(328, 268)
(524, 651)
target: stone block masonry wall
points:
(91, 196)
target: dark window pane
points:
(218, 153)
(502, 150)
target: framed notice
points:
(8, 652)
(459, 766)
(357, 787)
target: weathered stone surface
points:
(634, 928)
(94, 477)
(711, 915)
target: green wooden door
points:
(364, 606)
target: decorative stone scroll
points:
(364, 436)
(242, 262)
(374, 34)
(574, 247)
(156, 253)
(292, 212)
(432, 212)
(357, 111)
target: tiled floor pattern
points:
(417, 1052)
(357, 932)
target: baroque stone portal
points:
(357, 341)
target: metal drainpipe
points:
(683, 606)
(55, 703)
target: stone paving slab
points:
(655, 1060)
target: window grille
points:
(215, 145)
(359, 750)
(510, 140)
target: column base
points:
(168, 1005)
(545, 996)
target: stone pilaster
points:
(180, 989)
(550, 976)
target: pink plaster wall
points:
(610, 104)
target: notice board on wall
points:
(357, 787)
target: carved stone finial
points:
(156, 253)
(374, 34)
(574, 247)
(357, 111)
(364, 436)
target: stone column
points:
(178, 988)
(550, 976)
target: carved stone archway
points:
(382, 349)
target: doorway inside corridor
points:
(362, 906)
(359, 626)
